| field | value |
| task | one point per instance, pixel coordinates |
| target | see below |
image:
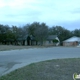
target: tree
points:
(41, 33)
(4, 29)
(26, 29)
(61, 32)
(15, 32)
(55, 41)
(18, 32)
(76, 32)
(1, 32)
(38, 31)
(32, 28)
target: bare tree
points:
(41, 33)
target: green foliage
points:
(61, 32)
(76, 32)
(38, 30)
(55, 41)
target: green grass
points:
(60, 69)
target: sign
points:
(76, 76)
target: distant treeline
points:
(39, 30)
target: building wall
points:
(47, 43)
(50, 42)
(70, 43)
(25, 42)
(33, 43)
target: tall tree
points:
(41, 33)
(2, 31)
(61, 32)
(76, 32)
(32, 28)
(15, 32)
(26, 29)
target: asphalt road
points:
(14, 59)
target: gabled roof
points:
(51, 37)
(25, 37)
(72, 39)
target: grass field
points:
(59, 69)
(13, 47)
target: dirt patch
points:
(12, 47)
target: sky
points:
(65, 13)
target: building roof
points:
(51, 37)
(25, 38)
(72, 39)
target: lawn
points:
(57, 69)
(14, 47)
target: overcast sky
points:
(65, 13)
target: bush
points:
(55, 41)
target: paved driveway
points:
(11, 60)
